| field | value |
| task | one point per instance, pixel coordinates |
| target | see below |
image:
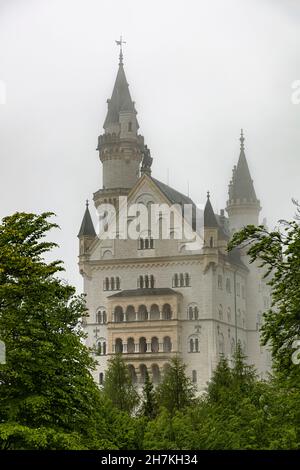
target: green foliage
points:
(48, 398)
(149, 404)
(278, 252)
(118, 386)
(176, 390)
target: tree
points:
(278, 252)
(48, 398)
(118, 385)
(176, 390)
(149, 405)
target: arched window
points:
(130, 127)
(119, 346)
(152, 281)
(194, 376)
(112, 283)
(130, 313)
(130, 346)
(211, 242)
(228, 285)
(141, 282)
(141, 243)
(196, 345)
(106, 284)
(191, 345)
(142, 345)
(187, 279)
(191, 313)
(181, 277)
(154, 344)
(118, 314)
(101, 378)
(117, 283)
(167, 345)
(154, 312)
(142, 313)
(101, 316)
(220, 282)
(176, 281)
(101, 347)
(147, 282)
(166, 312)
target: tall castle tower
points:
(120, 146)
(243, 207)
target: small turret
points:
(87, 232)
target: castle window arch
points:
(167, 344)
(193, 312)
(142, 345)
(118, 314)
(101, 317)
(101, 347)
(166, 312)
(130, 346)
(118, 346)
(193, 344)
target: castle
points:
(152, 298)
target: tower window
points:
(194, 376)
(130, 127)
(181, 280)
(101, 378)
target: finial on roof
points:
(208, 194)
(87, 203)
(119, 43)
(242, 139)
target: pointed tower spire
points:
(243, 206)
(209, 215)
(87, 226)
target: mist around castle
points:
(184, 336)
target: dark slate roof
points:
(242, 186)
(87, 226)
(175, 197)
(143, 292)
(209, 216)
(120, 99)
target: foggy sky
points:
(198, 72)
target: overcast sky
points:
(198, 72)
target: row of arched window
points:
(181, 280)
(146, 282)
(143, 346)
(142, 313)
(239, 289)
(155, 373)
(232, 345)
(112, 283)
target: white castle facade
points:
(153, 298)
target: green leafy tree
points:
(278, 252)
(176, 390)
(48, 398)
(118, 385)
(149, 404)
